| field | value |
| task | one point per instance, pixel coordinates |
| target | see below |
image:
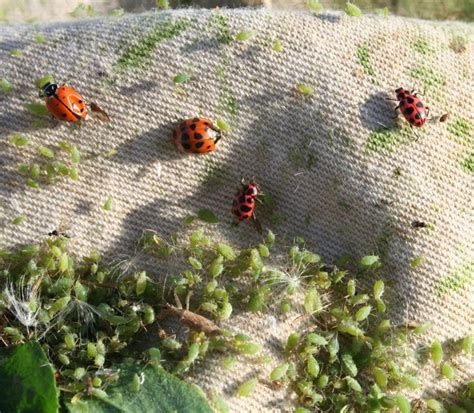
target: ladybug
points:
(196, 135)
(243, 206)
(412, 108)
(64, 103)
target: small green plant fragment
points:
(277, 46)
(245, 35)
(467, 345)
(162, 4)
(118, 12)
(15, 53)
(47, 152)
(182, 78)
(5, 85)
(305, 89)
(223, 125)
(19, 140)
(352, 10)
(18, 220)
(43, 81)
(314, 5)
(468, 163)
(363, 57)
(416, 262)
(108, 204)
(39, 38)
(140, 52)
(208, 216)
(37, 109)
(247, 388)
(421, 46)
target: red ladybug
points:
(243, 206)
(64, 103)
(412, 108)
(196, 135)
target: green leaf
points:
(182, 78)
(245, 35)
(353, 10)
(160, 391)
(5, 85)
(27, 380)
(208, 216)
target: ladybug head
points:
(49, 89)
(401, 93)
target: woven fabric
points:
(342, 173)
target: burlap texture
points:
(333, 181)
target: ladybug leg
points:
(427, 111)
(257, 223)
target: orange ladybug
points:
(64, 103)
(196, 135)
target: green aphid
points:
(248, 387)
(279, 372)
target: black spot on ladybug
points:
(57, 104)
(80, 101)
(185, 137)
(242, 199)
(207, 124)
(419, 104)
(197, 135)
(193, 126)
(63, 88)
(196, 120)
(245, 217)
(411, 120)
(408, 111)
(417, 116)
(82, 110)
(199, 144)
(186, 146)
(410, 100)
(245, 208)
(64, 115)
(249, 200)
(400, 96)
(208, 147)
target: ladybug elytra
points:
(64, 103)
(243, 206)
(196, 135)
(412, 108)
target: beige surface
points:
(311, 154)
